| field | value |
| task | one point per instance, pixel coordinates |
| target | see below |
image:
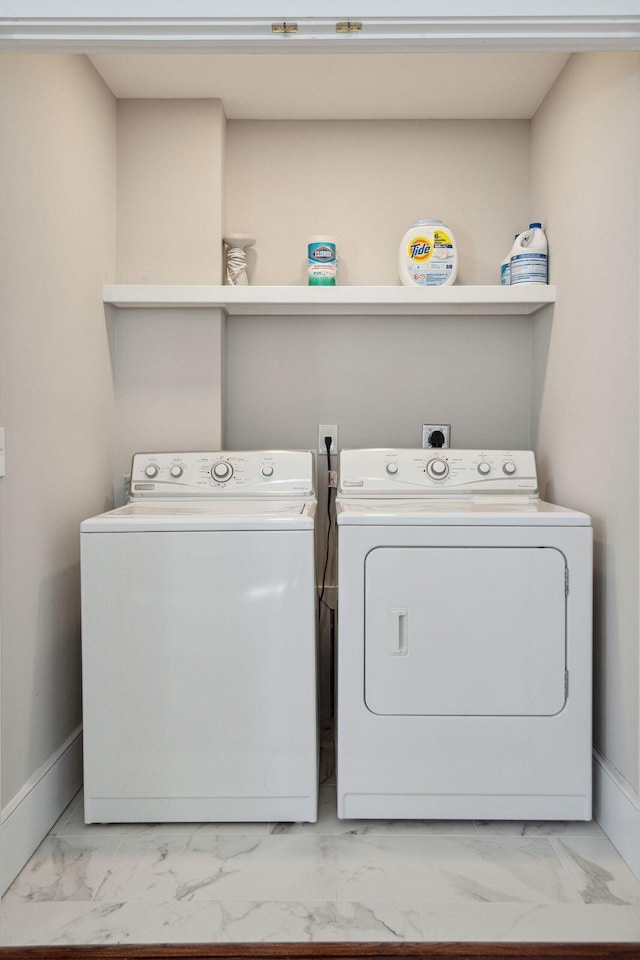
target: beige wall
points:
(366, 182)
(57, 247)
(378, 379)
(585, 166)
(168, 374)
(168, 364)
(170, 170)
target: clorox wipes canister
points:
(322, 262)
(428, 255)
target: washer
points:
(199, 642)
(464, 650)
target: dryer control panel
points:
(437, 472)
(223, 473)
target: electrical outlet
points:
(328, 430)
(428, 429)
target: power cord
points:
(322, 602)
(327, 443)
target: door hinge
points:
(284, 27)
(349, 26)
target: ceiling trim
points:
(619, 29)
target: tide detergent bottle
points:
(428, 255)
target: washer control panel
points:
(255, 473)
(437, 472)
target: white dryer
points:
(464, 640)
(199, 642)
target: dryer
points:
(464, 639)
(199, 642)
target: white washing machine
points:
(199, 642)
(464, 640)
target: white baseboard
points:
(36, 807)
(617, 810)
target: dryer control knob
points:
(222, 471)
(392, 468)
(151, 471)
(267, 470)
(176, 471)
(509, 467)
(484, 468)
(437, 469)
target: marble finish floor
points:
(330, 881)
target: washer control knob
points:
(222, 471)
(392, 468)
(267, 470)
(437, 469)
(484, 468)
(176, 471)
(509, 467)
(151, 471)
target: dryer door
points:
(465, 631)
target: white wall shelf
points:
(281, 301)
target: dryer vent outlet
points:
(436, 434)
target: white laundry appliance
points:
(199, 642)
(464, 639)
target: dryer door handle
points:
(399, 639)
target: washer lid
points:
(511, 511)
(197, 515)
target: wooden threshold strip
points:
(331, 951)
